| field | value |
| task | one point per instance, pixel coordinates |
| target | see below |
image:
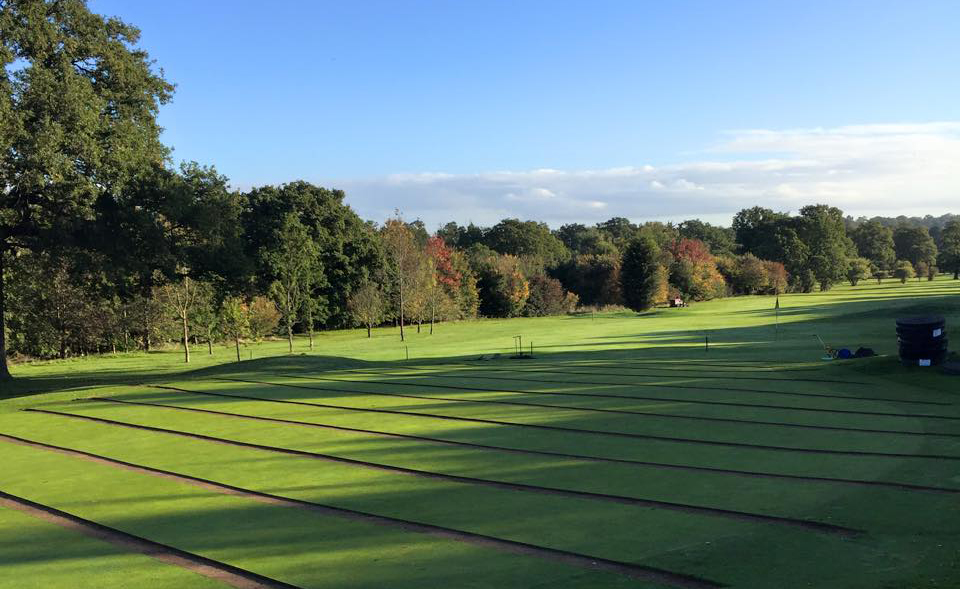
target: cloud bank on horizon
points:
(882, 169)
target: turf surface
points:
(625, 454)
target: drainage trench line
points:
(624, 500)
(713, 376)
(641, 463)
(601, 410)
(220, 571)
(512, 546)
(627, 385)
(603, 396)
(560, 428)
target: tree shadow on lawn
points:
(846, 324)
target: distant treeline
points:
(103, 247)
(180, 256)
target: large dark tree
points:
(756, 232)
(78, 105)
(874, 242)
(348, 248)
(950, 248)
(914, 244)
(822, 229)
(641, 273)
(720, 240)
(526, 239)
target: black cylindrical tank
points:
(923, 340)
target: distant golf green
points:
(693, 447)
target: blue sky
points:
(452, 110)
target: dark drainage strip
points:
(635, 384)
(512, 546)
(620, 499)
(561, 428)
(231, 575)
(649, 414)
(621, 384)
(742, 375)
(583, 457)
(603, 396)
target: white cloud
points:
(886, 169)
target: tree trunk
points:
(433, 315)
(4, 371)
(186, 339)
(368, 331)
(310, 324)
(401, 311)
(209, 343)
(126, 333)
(237, 340)
(290, 335)
(956, 274)
(418, 326)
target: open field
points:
(625, 454)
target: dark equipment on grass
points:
(923, 340)
(864, 353)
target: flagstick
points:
(776, 329)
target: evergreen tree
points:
(641, 274)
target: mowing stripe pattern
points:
(584, 457)
(564, 429)
(237, 577)
(681, 507)
(659, 399)
(648, 414)
(623, 568)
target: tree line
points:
(105, 247)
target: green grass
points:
(698, 423)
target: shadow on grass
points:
(868, 322)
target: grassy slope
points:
(911, 536)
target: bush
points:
(904, 271)
(547, 297)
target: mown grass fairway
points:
(623, 455)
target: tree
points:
(348, 249)
(914, 244)
(78, 105)
(874, 242)
(859, 269)
(750, 275)
(777, 278)
(922, 269)
(294, 264)
(181, 298)
(822, 229)
(582, 240)
(367, 305)
(641, 275)
(526, 239)
(693, 271)
(404, 262)
(950, 248)
(755, 230)
(903, 270)
(720, 240)
(235, 320)
(205, 317)
(547, 297)
(503, 287)
(264, 317)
